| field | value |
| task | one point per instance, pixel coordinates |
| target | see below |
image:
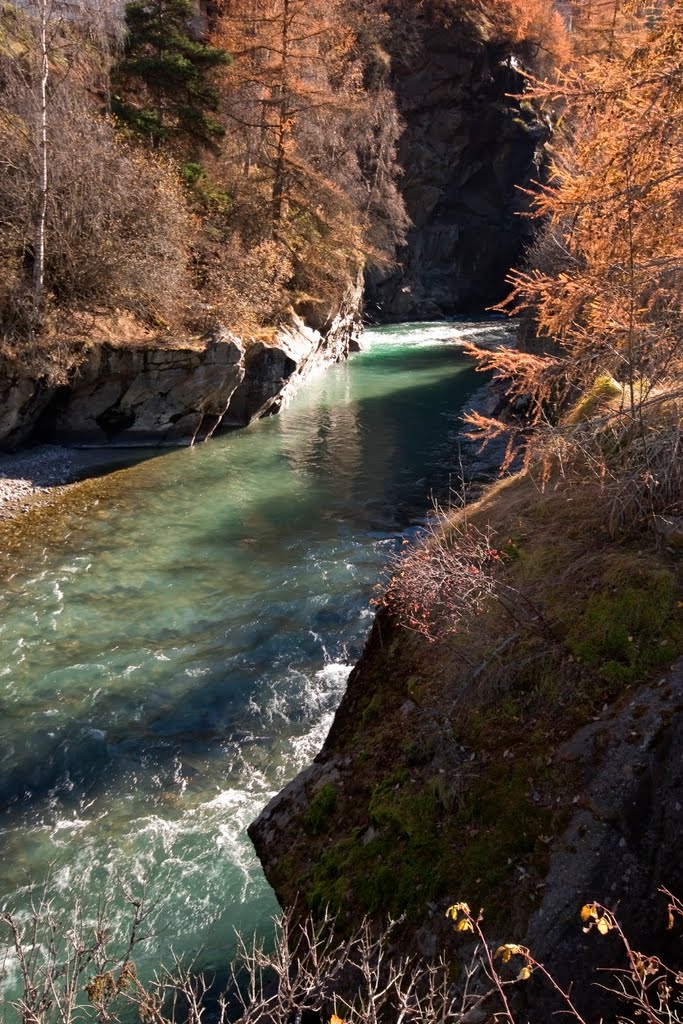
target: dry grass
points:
(558, 570)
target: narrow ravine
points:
(243, 571)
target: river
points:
(176, 636)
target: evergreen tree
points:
(164, 87)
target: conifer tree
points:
(605, 284)
(285, 54)
(293, 100)
(165, 85)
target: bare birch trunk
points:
(39, 265)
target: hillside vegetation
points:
(188, 169)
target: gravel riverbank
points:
(34, 475)
(30, 475)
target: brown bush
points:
(117, 230)
(245, 286)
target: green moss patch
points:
(321, 809)
(628, 628)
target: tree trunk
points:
(283, 128)
(39, 264)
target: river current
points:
(175, 637)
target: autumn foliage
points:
(601, 383)
(270, 126)
(260, 153)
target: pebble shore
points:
(32, 474)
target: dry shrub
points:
(644, 988)
(638, 460)
(117, 236)
(439, 586)
(117, 230)
(77, 967)
(245, 286)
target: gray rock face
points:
(130, 397)
(621, 845)
(22, 401)
(274, 371)
(466, 150)
(135, 397)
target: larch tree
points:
(607, 306)
(606, 28)
(301, 117)
(284, 56)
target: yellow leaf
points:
(588, 911)
(457, 909)
(334, 1019)
(670, 922)
(464, 926)
(524, 974)
(603, 926)
(506, 951)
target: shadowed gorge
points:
(396, 628)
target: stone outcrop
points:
(133, 396)
(621, 840)
(467, 152)
(525, 768)
(22, 401)
(275, 369)
(139, 396)
(621, 843)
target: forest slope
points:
(157, 181)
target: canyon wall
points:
(468, 151)
(154, 395)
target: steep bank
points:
(527, 767)
(468, 151)
(140, 395)
(150, 396)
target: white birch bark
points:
(43, 154)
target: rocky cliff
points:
(467, 152)
(136, 396)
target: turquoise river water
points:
(176, 636)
